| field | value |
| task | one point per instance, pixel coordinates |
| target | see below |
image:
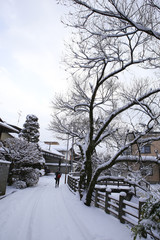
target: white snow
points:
(57, 164)
(4, 161)
(5, 125)
(49, 149)
(100, 186)
(44, 212)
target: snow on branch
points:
(132, 158)
(118, 157)
(122, 109)
(123, 16)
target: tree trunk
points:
(88, 170)
(82, 183)
(94, 181)
(86, 174)
(88, 165)
(91, 188)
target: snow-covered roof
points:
(61, 148)
(57, 164)
(49, 149)
(7, 126)
(14, 135)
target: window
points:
(146, 149)
(128, 151)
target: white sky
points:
(31, 45)
(31, 49)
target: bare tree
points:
(110, 37)
(116, 21)
(129, 16)
(97, 120)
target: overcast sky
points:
(31, 45)
(31, 49)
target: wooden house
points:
(150, 171)
(56, 157)
(6, 130)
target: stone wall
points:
(4, 169)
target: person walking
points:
(57, 178)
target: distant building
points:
(6, 131)
(151, 172)
(56, 156)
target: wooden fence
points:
(118, 184)
(116, 204)
(73, 182)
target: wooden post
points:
(75, 183)
(135, 189)
(96, 198)
(72, 184)
(121, 206)
(118, 182)
(108, 191)
(141, 202)
(68, 181)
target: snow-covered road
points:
(44, 212)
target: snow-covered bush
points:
(150, 220)
(30, 176)
(20, 184)
(25, 158)
(3, 151)
(41, 172)
(23, 153)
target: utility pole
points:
(19, 115)
(66, 159)
(72, 154)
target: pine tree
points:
(30, 131)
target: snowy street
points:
(44, 212)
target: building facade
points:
(150, 171)
(56, 157)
